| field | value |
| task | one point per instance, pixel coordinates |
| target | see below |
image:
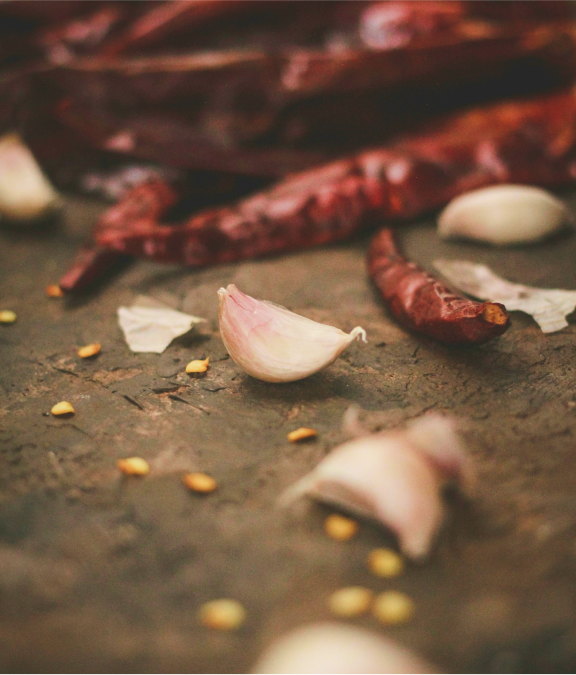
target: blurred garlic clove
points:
(25, 192)
(503, 214)
(273, 344)
(394, 477)
(338, 648)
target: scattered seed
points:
(350, 601)
(200, 482)
(339, 527)
(393, 608)
(89, 350)
(7, 316)
(133, 466)
(198, 366)
(54, 291)
(383, 562)
(62, 408)
(224, 614)
(301, 434)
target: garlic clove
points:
(273, 344)
(338, 648)
(503, 214)
(25, 192)
(393, 477)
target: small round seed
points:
(393, 608)
(62, 408)
(7, 316)
(350, 601)
(200, 482)
(54, 291)
(134, 466)
(89, 350)
(301, 434)
(224, 614)
(383, 562)
(198, 366)
(339, 527)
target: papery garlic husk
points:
(393, 477)
(503, 214)
(273, 344)
(338, 648)
(25, 192)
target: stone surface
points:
(99, 572)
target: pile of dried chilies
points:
(241, 93)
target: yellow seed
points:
(351, 601)
(383, 562)
(224, 614)
(54, 291)
(200, 482)
(7, 316)
(339, 527)
(62, 408)
(393, 608)
(133, 466)
(300, 434)
(89, 350)
(198, 366)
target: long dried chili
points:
(421, 303)
(526, 142)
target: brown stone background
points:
(101, 573)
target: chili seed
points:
(7, 316)
(350, 601)
(62, 408)
(89, 350)
(200, 482)
(340, 528)
(198, 366)
(223, 614)
(54, 291)
(134, 466)
(383, 562)
(393, 608)
(301, 434)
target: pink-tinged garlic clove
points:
(25, 192)
(338, 648)
(393, 477)
(273, 344)
(503, 214)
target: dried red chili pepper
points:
(527, 142)
(421, 303)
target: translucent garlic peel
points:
(338, 648)
(273, 344)
(25, 192)
(503, 214)
(393, 477)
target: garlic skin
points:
(25, 192)
(393, 477)
(273, 344)
(502, 215)
(338, 648)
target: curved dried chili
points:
(423, 304)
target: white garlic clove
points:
(25, 192)
(393, 477)
(503, 214)
(338, 648)
(273, 344)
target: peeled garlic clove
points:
(273, 344)
(393, 477)
(338, 648)
(503, 214)
(25, 192)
